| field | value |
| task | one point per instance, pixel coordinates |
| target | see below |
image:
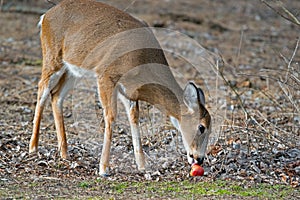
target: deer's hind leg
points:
(58, 95)
(43, 94)
(49, 80)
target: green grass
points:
(120, 187)
(106, 189)
(36, 62)
(190, 189)
(84, 184)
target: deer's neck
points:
(155, 84)
(168, 100)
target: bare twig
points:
(267, 77)
(297, 80)
(286, 92)
(49, 178)
(292, 18)
(240, 47)
(236, 93)
(16, 101)
(131, 3)
(51, 2)
(26, 90)
(291, 15)
(291, 60)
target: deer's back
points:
(96, 36)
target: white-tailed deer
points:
(122, 53)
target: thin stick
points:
(236, 93)
(51, 2)
(291, 60)
(132, 2)
(289, 96)
(269, 77)
(289, 13)
(26, 90)
(240, 47)
(293, 19)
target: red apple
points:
(196, 170)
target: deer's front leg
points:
(136, 136)
(132, 110)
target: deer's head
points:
(195, 123)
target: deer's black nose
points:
(200, 160)
(197, 159)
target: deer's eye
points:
(201, 128)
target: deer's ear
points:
(201, 96)
(192, 96)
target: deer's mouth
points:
(193, 159)
(199, 161)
